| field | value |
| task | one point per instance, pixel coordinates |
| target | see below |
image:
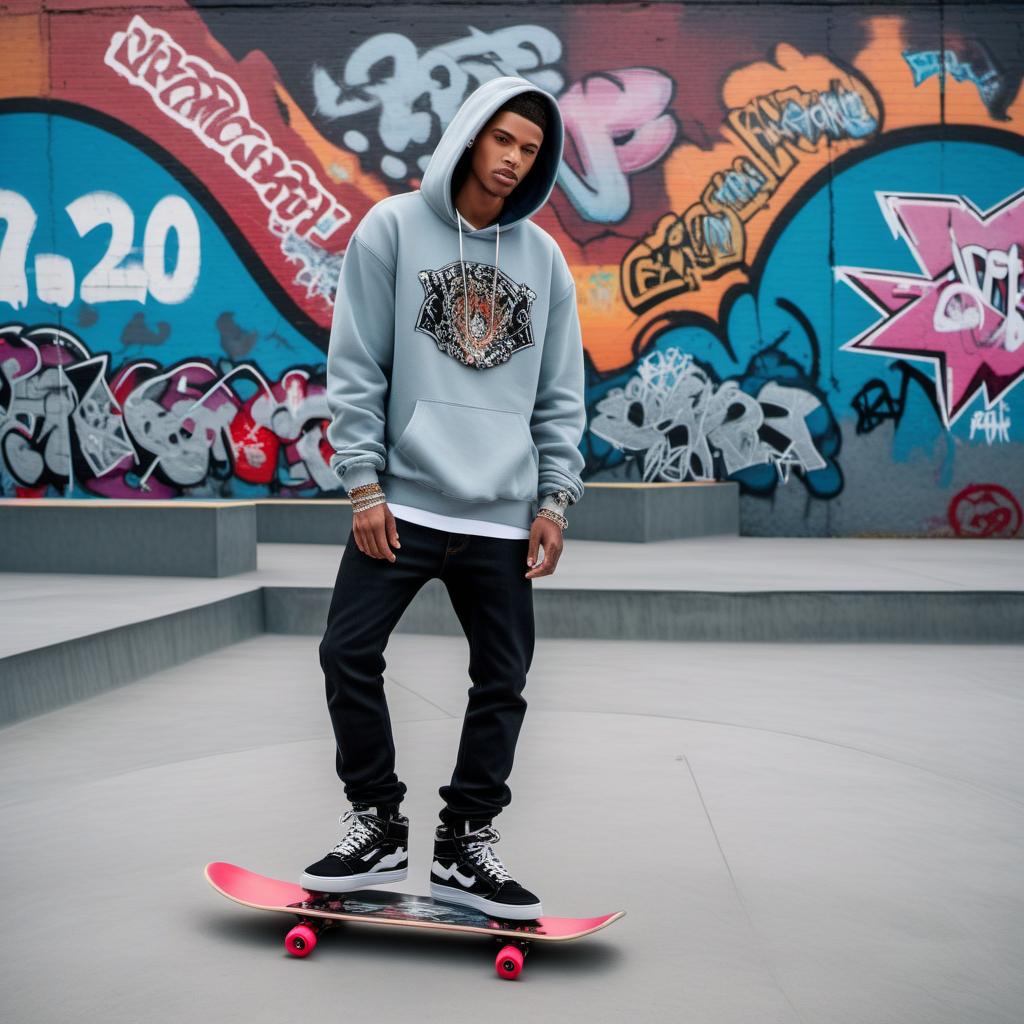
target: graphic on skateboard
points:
(318, 911)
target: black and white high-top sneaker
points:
(373, 851)
(466, 870)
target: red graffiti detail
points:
(985, 510)
(254, 447)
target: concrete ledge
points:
(968, 617)
(47, 678)
(633, 513)
(302, 521)
(136, 538)
(639, 513)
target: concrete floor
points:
(813, 833)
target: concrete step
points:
(68, 637)
(828, 616)
(48, 677)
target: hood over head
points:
(532, 192)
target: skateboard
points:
(317, 911)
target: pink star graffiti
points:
(964, 313)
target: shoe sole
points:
(446, 894)
(350, 883)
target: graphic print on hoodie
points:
(470, 409)
(482, 332)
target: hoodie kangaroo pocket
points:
(467, 452)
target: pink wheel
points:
(509, 962)
(301, 940)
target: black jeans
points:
(493, 599)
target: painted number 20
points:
(112, 279)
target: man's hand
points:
(373, 528)
(548, 535)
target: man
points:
(455, 382)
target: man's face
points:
(504, 152)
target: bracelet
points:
(365, 489)
(361, 506)
(366, 496)
(550, 513)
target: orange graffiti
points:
(786, 120)
(22, 54)
(922, 104)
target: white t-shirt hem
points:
(452, 524)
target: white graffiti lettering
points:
(443, 76)
(994, 424)
(981, 272)
(320, 269)
(678, 419)
(182, 424)
(214, 108)
(116, 277)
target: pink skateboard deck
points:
(319, 911)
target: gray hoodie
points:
(477, 409)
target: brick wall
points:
(795, 231)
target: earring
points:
(469, 145)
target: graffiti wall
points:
(796, 234)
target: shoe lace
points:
(480, 852)
(360, 833)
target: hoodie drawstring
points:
(465, 285)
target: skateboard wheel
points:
(509, 962)
(301, 940)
